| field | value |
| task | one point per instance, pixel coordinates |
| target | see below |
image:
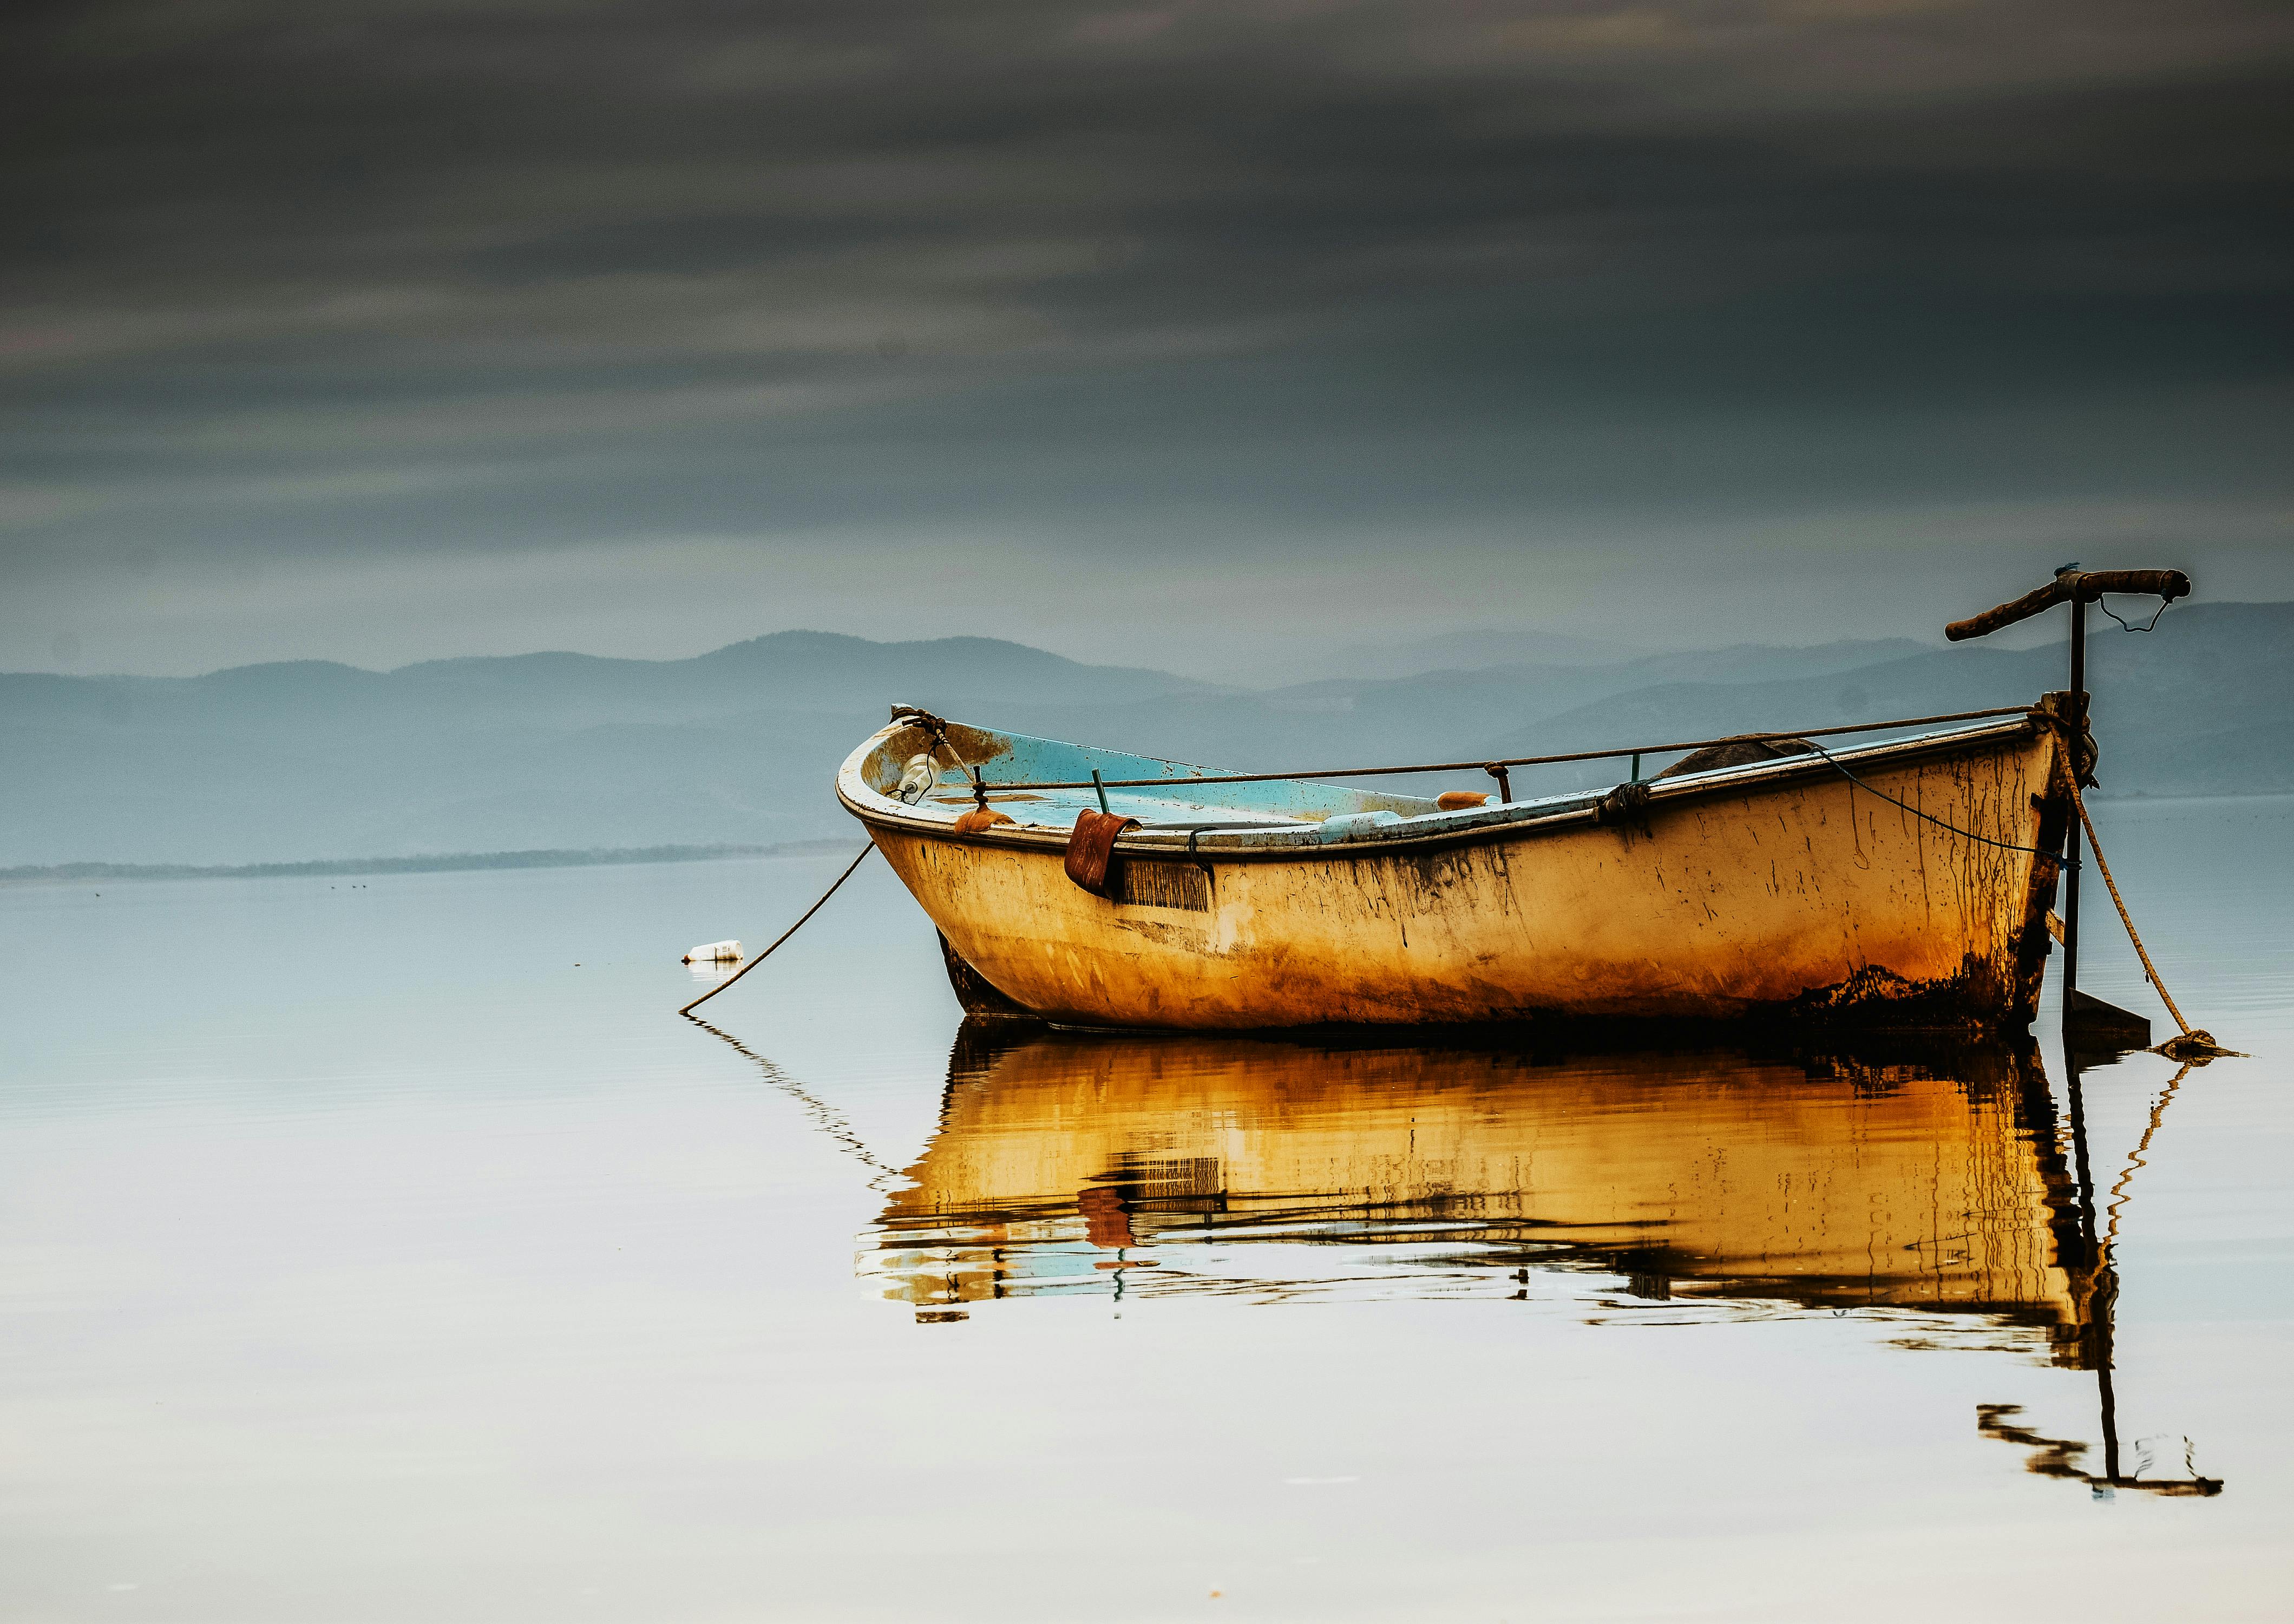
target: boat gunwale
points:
(1575, 810)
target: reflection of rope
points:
(2118, 1190)
(784, 936)
(2150, 970)
(825, 1116)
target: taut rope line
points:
(2150, 970)
(1964, 834)
(784, 936)
(2196, 1043)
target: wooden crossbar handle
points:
(2085, 585)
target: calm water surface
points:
(385, 1249)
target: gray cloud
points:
(404, 285)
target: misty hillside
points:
(309, 760)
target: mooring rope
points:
(784, 936)
(1964, 834)
(2150, 970)
(2195, 1043)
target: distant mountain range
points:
(312, 761)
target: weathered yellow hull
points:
(1933, 1184)
(1788, 891)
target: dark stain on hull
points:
(1875, 998)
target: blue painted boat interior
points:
(1281, 811)
(1017, 759)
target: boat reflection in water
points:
(1071, 1161)
(1939, 1188)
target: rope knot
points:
(1626, 806)
(919, 717)
(2057, 711)
(2195, 1047)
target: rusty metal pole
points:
(2077, 588)
(2071, 835)
(2097, 1313)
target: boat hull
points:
(1793, 894)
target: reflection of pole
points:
(2110, 1406)
(2088, 1255)
(2072, 836)
(2078, 1155)
(2103, 1279)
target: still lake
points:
(385, 1248)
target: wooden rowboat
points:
(1903, 884)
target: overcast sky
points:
(1185, 335)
